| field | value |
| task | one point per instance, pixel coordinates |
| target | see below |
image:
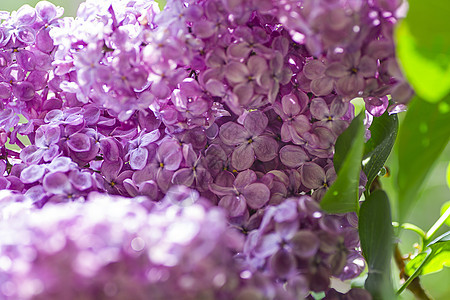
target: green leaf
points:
(375, 233)
(423, 135)
(424, 48)
(161, 4)
(378, 147)
(448, 175)
(343, 194)
(437, 256)
(444, 208)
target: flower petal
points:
(138, 158)
(256, 195)
(235, 205)
(319, 109)
(233, 134)
(290, 105)
(313, 176)
(183, 176)
(32, 173)
(243, 157)
(305, 244)
(79, 142)
(265, 147)
(57, 183)
(244, 178)
(255, 122)
(293, 156)
(314, 69)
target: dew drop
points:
(137, 244)
(246, 274)
(443, 108)
(423, 127)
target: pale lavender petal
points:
(238, 50)
(337, 70)
(290, 104)
(150, 137)
(256, 195)
(313, 176)
(322, 86)
(32, 173)
(164, 179)
(350, 85)
(314, 69)
(293, 156)
(189, 155)
(367, 66)
(243, 157)
(338, 108)
(268, 245)
(255, 122)
(235, 205)
(257, 66)
(138, 158)
(244, 93)
(203, 29)
(265, 147)
(56, 183)
(221, 190)
(130, 187)
(244, 178)
(149, 188)
(111, 169)
(51, 153)
(301, 124)
(61, 164)
(233, 134)
(172, 160)
(47, 135)
(80, 180)
(319, 109)
(183, 176)
(215, 87)
(285, 133)
(236, 72)
(31, 154)
(79, 142)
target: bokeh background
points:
(70, 6)
(434, 194)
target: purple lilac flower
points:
(132, 249)
(240, 100)
(249, 140)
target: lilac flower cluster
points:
(130, 251)
(238, 102)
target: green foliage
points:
(161, 3)
(448, 175)
(343, 194)
(423, 47)
(445, 207)
(423, 135)
(378, 147)
(433, 259)
(375, 232)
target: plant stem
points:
(412, 283)
(414, 228)
(437, 225)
